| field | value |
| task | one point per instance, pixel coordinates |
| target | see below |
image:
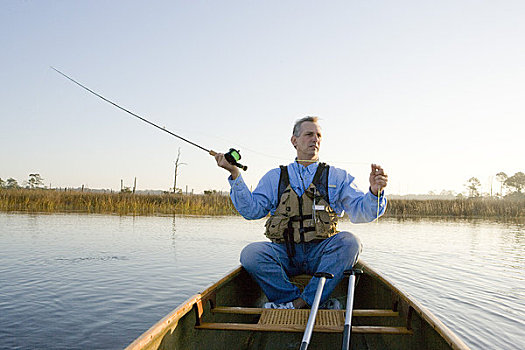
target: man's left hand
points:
(378, 179)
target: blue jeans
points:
(269, 264)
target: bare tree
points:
(177, 164)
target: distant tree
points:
(516, 181)
(501, 177)
(177, 164)
(473, 186)
(35, 181)
(11, 183)
(2, 183)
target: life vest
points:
(303, 218)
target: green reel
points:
(233, 156)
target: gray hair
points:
(297, 126)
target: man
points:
(304, 200)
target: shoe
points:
(331, 304)
(270, 305)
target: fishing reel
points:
(233, 156)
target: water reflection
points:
(174, 237)
(91, 258)
(91, 275)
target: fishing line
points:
(378, 200)
(301, 160)
(378, 196)
(232, 156)
(248, 149)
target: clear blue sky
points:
(433, 91)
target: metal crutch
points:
(313, 312)
(349, 306)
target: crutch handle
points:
(323, 274)
(353, 272)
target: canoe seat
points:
(257, 311)
(282, 320)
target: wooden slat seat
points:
(300, 329)
(283, 320)
(257, 311)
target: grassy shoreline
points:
(457, 208)
(50, 201)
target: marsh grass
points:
(37, 200)
(116, 203)
(460, 208)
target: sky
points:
(431, 90)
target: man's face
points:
(308, 143)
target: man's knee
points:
(348, 247)
(348, 240)
(252, 254)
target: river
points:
(86, 281)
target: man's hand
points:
(223, 163)
(378, 179)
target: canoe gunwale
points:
(159, 328)
(450, 337)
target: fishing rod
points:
(232, 156)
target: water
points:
(78, 281)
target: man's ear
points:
(294, 141)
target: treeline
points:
(511, 186)
(34, 181)
(214, 203)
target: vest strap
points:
(321, 180)
(318, 172)
(284, 181)
(289, 241)
(301, 218)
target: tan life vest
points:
(303, 218)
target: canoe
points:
(227, 315)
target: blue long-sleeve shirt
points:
(343, 194)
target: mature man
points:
(305, 200)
